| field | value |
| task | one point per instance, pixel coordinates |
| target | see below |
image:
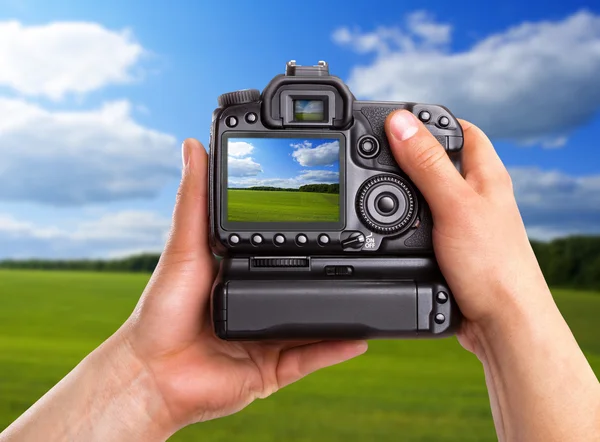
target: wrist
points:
(524, 310)
(128, 400)
(532, 362)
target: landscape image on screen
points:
(283, 180)
(308, 110)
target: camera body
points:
(321, 234)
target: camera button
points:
(231, 121)
(439, 318)
(455, 144)
(323, 239)
(251, 117)
(234, 239)
(279, 239)
(424, 116)
(444, 121)
(386, 203)
(257, 239)
(442, 297)
(301, 239)
(368, 146)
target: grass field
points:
(399, 390)
(266, 206)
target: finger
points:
(298, 362)
(482, 167)
(281, 346)
(424, 160)
(188, 239)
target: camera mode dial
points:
(386, 204)
(239, 97)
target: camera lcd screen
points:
(309, 110)
(295, 180)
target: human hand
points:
(541, 386)
(479, 239)
(197, 376)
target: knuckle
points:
(428, 155)
(491, 179)
(470, 129)
(180, 194)
(501, 179)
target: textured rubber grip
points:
(376, 117)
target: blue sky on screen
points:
(96, 98)
(282, 162)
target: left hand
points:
(196, 375)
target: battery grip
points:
(332, 298)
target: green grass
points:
(266, 206)
(308, 116)
(429, 390)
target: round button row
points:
(441, 298)
(250, 118)
(425, 116)
(279, 239)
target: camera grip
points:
(337, 309)
(376, 115)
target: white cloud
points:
(55, 59)
(108, 235)
(517, 84)
(238, 167)
(304, 177)
(553, 203)
(325, 154)
(309, 106)
(239, 148)
(420, 32)
(319, 176)
(74, 158)
(423, 25)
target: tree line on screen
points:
(317, 188)
(572, 262)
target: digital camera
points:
(321, 234)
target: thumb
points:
(177, 292)
(424, 160)
(188, 239)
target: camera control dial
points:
(386, 204)
(239, 97)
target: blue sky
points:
(282, 162)
(96, 98)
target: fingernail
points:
(361, 347)
(403, 125)
(185, 154)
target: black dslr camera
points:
(322, 235)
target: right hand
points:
(479, 237)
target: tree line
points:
(572, 262)
(317, 188)
(139, 263)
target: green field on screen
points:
(273, 206)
